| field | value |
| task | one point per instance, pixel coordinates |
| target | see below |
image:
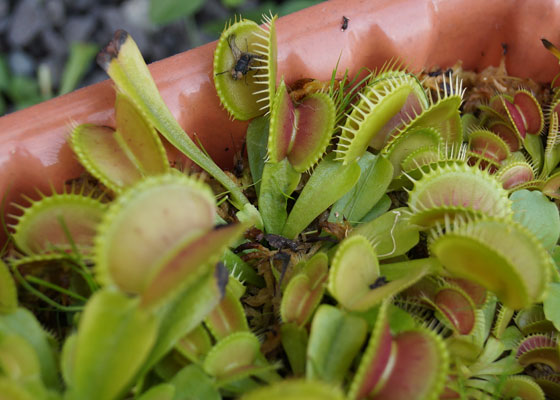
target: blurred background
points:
(48, 47)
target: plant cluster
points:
(383, 245)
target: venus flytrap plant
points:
(188, 252)
(441, 282)
(297, 139)
(123, 62)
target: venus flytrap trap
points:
(58, 222)
(245, 67)
(121, 157)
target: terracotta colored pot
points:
(424, 33)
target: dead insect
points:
(381, 281)
(504, 48)
(344, 25)
(238, 159)
(243, 60)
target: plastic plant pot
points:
(422, 33)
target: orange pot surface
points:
(423, 33)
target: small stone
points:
(21, 64)
(79, 29)
(27, 21)
(137, 13)
(82, 5)
(4, 24)
(54, 42)
(55, 12)
(4, 8)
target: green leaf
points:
(2, 105)
(334, 341)
(534, 147)
(8, 292)
(114, 338)
(183, 313)
(165, 11)
(67, 358)
(241, 270)
(5, 75)
(551, 304)
(23, 91)
(257, 140)
(552, 150)
(400, 320)
(163, 391)
(18, 360)
(233, 3)
(278, 182)
(328, 183)
(296, 5)
(376, 175)
(294, 342)
(296, 390)
(10, 390)
(79, 61)
(23, 323)
(540, 215)
(192, 383)
(392, 233)
(380, 208)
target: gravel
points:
(37, 35)
(26, 22)
(40, 32)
